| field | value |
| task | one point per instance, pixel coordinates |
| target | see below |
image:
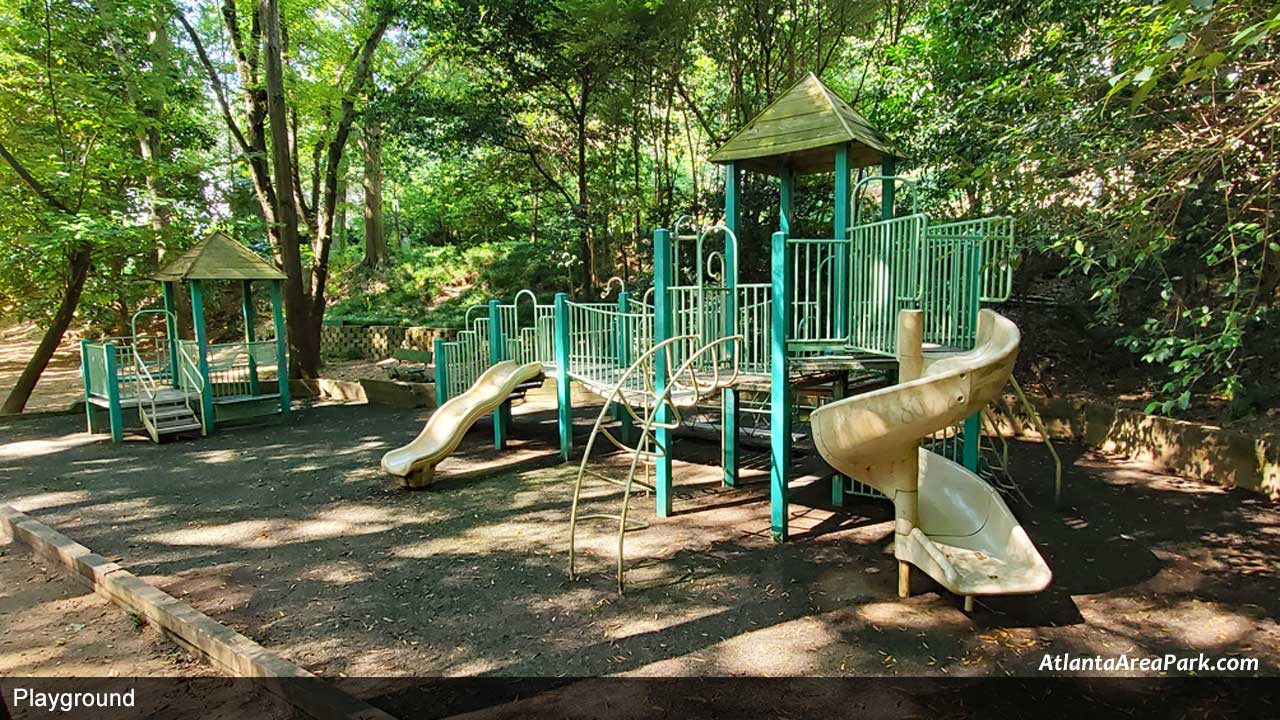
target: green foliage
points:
(434, 286)
(537, 143)
(1133, 142)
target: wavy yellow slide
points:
(948, 521)
(416, 462)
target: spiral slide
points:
(416, 462)
(948, 521)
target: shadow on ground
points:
(287, 531)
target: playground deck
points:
(288, 533)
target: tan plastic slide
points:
(948, 521)
(416, 462)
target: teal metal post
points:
(171, 328)
(113, 394)
(839, 389)
(888, 168)
(729, 396)
(202, 358)
(564, 398)
(88, 385)
(624, 361)
(282, 350)
(246, 292)
(498, 353)
(442, 372)
(662, 330)
(973, 423)
(786, 192)
(779, 388)
(841, 291)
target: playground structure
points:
(702, 338)
(948, 521)
(182, 385)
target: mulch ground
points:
(288, 532)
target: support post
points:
(202, 355)
(729, 396)
(282, 351)
(662, 330)
(624, 361)
(88, 385)
(246, 292)
(498, 353)
(779, 388)
(840, 293)
(786, 193)
(113, 394)
(564, 398)
(905, 470)
(888, 168)
(973, 424)
(839, 390)
(442, 372)
(171, 328)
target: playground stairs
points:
(167, 412)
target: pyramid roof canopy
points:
(802, 128)
(218, 257)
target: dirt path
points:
(59, 386)
(53, 626)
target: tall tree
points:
(80, 138)
(270, 102)
(375, 237)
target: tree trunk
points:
(340, 213)
(585, 245)
(78, 261)
(375, 239)
(305, 358)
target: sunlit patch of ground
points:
(60, 385)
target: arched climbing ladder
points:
(707, 369)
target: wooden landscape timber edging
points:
(1214, 455)
(228, 651)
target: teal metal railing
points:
(950, 280)
(464, 358)
(884, 278)
(94, 366)
(995, 236)
(815, 318)
(754, 323)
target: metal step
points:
(168, 411)
(183, 425)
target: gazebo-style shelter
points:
(181, 385)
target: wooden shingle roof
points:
(218, 257)
(802, 128)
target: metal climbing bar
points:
(657, 407)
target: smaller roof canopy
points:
(218, 257)
(802, 128)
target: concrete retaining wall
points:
(1214, 455)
